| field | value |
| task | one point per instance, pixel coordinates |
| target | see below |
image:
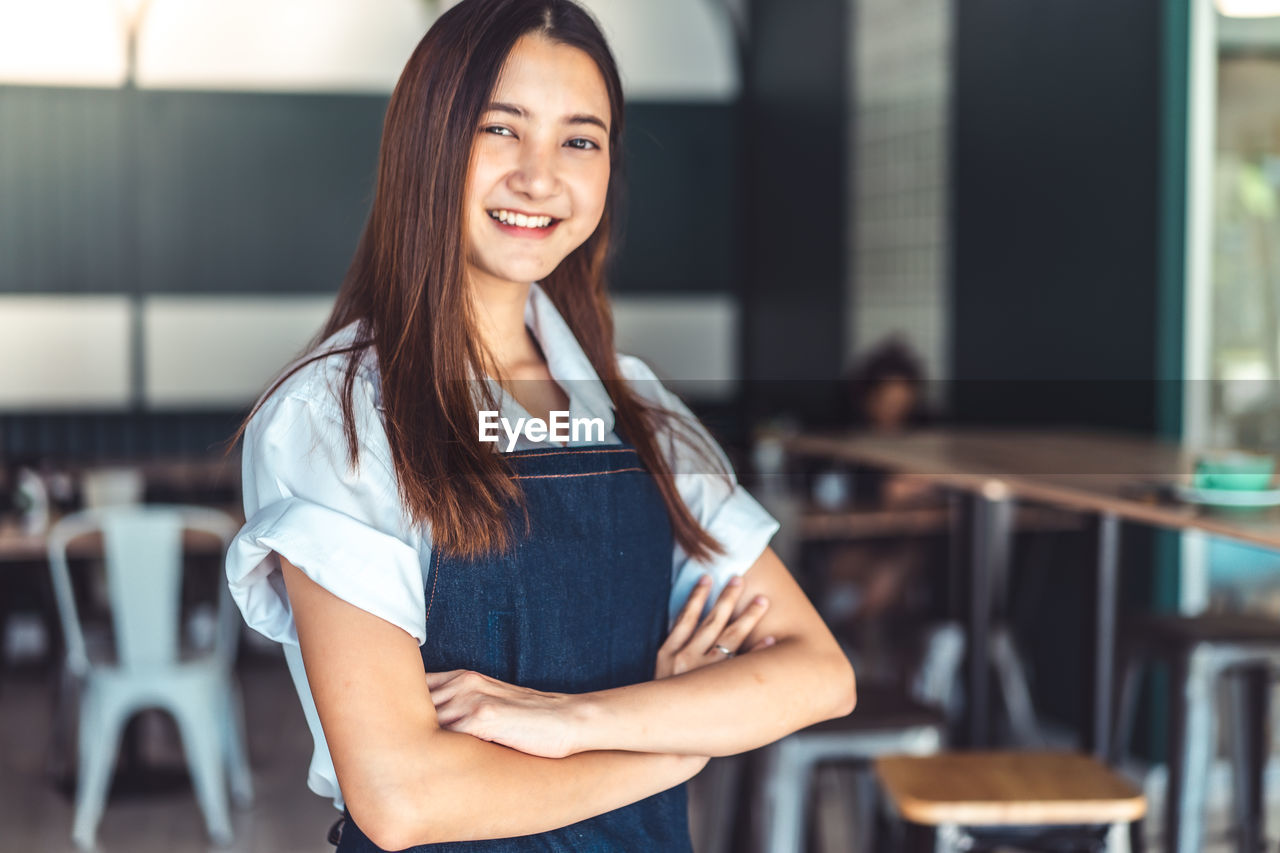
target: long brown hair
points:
(407, 291)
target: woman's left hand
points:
(531, 721)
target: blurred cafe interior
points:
(981, 297)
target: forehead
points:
(551, 80)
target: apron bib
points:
(578, 605)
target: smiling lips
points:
(523, 224)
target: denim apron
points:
(579, 605)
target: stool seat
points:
(1008, 789)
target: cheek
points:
(593, 192)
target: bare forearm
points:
(731, 707)
(462, 789)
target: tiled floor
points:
(285, 817)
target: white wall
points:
(666, 49)
(211, 351)
(65, 352)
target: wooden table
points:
(17, 545)
(1111, 477)
(186, 476)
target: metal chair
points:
(1203, 651)
(886, 721)
(143, 555)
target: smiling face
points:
(539, 172)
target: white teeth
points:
(520, 220)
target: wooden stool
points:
(1031, 798)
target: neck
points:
(499, 313)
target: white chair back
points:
(143, 552)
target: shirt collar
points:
(566, 361)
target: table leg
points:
(989, 563)
(1104, 635)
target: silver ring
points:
(722, 650)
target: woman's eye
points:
(497, 130)
(582, 144)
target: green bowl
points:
(1237, 471)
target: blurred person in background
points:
(503, 648)
(875, 582)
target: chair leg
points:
(1126, 708)
(711, 804)
(101, 719)
(201, 744)
(867, 807)
(1013, 686)
(781, 796)
(235, 747)
(1249, 707)
(1191, 747)
(60, 759)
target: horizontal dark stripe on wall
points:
(90, 436)
(119, 191)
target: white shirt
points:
(349, 532)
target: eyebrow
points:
(579, 118)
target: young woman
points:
(495, 644)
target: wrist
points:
(586, 713)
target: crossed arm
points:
(456, 756)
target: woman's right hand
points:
(693, 644)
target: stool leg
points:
(1191, 746)
(949, 838)
(1118, 838)
(1249, 688)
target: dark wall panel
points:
(254, 193)
(1056, 172)
(211, 192)
(66, 222)
(797, 224)
(682, 163)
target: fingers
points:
(736, 633)
(439, 679)
(447, 685)
(687, 621)
(709, 631)
(762, 644)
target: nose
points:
(535, 174)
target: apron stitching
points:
(435, 577)
(536, 452)
(563, 476)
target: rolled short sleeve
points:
(345, 529)
(712, 493)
